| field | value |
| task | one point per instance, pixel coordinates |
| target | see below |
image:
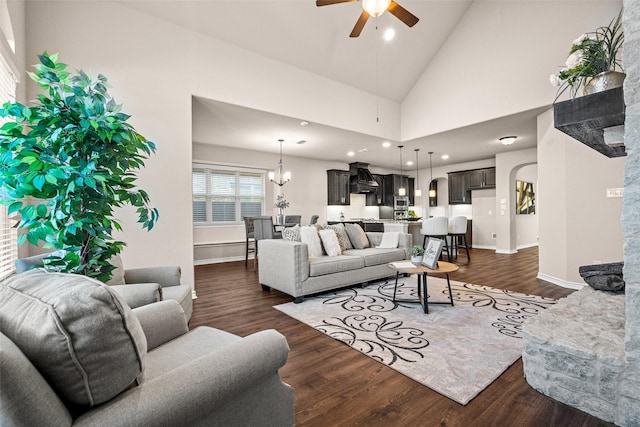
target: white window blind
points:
(225, 195)
(8, 234)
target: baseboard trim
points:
(493, 247)
(528, 245)
(560, 282)
(220, 260)
(506, 251)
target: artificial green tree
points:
(67, 162)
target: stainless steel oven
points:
(401, 203)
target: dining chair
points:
(314, 219)
(263, 229)
(249, 238)
(292, 219)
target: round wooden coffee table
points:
(422, 272)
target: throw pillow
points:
(117, 274)
(357, 236)
(309, 235)
(79, 333)
(341, 233)
(291, 233)
(330, 242)
(389, 240)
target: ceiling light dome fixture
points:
(375, 8)
(508, 140)
(279, 176)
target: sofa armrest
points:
(139, 294)
(405, 240)
(166, 276)
(283, 265)
(161, 322)
(192, 393)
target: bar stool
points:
(436, 227)
(458, 231)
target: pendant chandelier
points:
(432, 190)
(402, 191)
(418, 192)
(279, 176)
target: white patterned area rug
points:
(457, 351)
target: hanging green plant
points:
(67, 162)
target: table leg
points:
(395, 287)
(449, 286)
(424, 291)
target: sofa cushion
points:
(309, 236)
(343, 237)
(375, 256)
(330, 242)
(389, 240)
(78, 332)
(330, 264)
(291, 233)
(357, 236)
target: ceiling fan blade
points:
(330, 2)
(402, 14)
(357, 29)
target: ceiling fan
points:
(375, 8)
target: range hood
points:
(360, 179)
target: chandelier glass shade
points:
(375, 8)
(279, 176)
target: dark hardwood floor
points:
(337, 386)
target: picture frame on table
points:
(432, 253)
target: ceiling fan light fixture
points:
(375, 8)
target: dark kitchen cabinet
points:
(376, 198)
(338, 187)
(459, 192)
(392, 184)
(478, 179)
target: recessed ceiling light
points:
(445, 157)
(363, 150)
(508, 140)
(409, 163)
(351, 154)
(389, 34)
(386, 144)
(304, 123)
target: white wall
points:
(578, 225)
(527, 225)
(491, 35)
(154, 68)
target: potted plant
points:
(416, 253)
(67, 161)
(592, 62)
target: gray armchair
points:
(138, 286)
(54, 370)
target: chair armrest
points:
(139, 294)
(166, 276)
(161, 322)
(193, 392)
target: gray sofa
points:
(285, 265)
(73, 353)
(138, 286)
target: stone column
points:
(629, 402)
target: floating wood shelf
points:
(586, 117)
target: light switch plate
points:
(615, 192)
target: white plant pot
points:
(416, 259)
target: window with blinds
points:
(225, 195)
(8, 234)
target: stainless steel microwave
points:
(401, 203)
